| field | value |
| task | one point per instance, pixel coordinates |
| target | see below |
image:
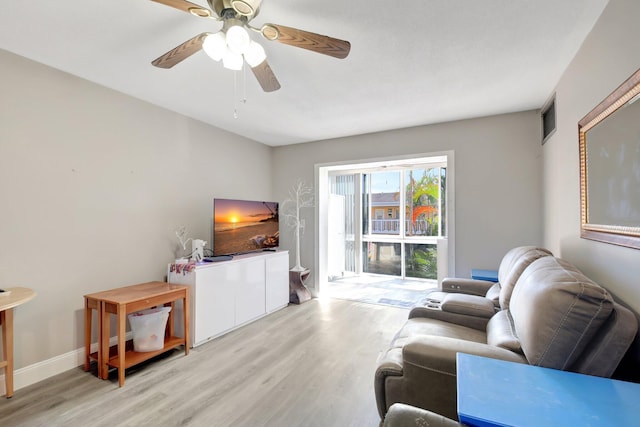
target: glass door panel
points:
(381, 258)
(422, 202)
(421, 261)
(384, 196)
(342, 227)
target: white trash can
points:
(147, 327)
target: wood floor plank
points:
(305, 365)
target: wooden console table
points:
(16, 297)
(122, 301)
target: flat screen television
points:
(242, 226)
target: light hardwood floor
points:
(306, 365)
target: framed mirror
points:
(609, 141)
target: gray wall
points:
(497, 179)
(608, 56)
(93, 185)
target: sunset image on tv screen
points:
(244, 226)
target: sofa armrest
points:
(425, 374)
(466, 286)
(401, 415)
(389, 365)
(439, 353)
(390, 362)
(470, 305)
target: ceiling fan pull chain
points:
(235, 90)
(244, 84)
(235, 97)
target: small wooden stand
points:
(122, 301)
(298, 292)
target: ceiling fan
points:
(233, 45)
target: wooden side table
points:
(8, 302)
(91, 303)
(122, 301)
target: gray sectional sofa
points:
(554, 316)
(472, 302)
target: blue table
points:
(497, 393)
(490, 275)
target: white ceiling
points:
(412, 63)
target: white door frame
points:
(321, 211)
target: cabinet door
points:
(277, 281)
(215, 311)
(248, 280)
(184, 279)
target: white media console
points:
(228, 294)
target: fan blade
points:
(188, 7)
(181, 52)
(306, 40)
(265, 77)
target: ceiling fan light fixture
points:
(215, 45)
(246, 7)
(238, 39)
(200, 12)
(255, 54)
(270, 32)
(232, 61)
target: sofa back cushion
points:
(556, 312)
(501, 333)
(511, 267)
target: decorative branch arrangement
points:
(197, 245)
(181, 234)
(300, 197)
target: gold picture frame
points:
(609, 145)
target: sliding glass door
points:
(381, 227)
(384, 220)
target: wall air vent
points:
(548, 118)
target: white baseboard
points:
(40, 371)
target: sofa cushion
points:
(501, 332)
(494, 294)
(401, 415)
(420, 326)
(512, 266)
(556, 312)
